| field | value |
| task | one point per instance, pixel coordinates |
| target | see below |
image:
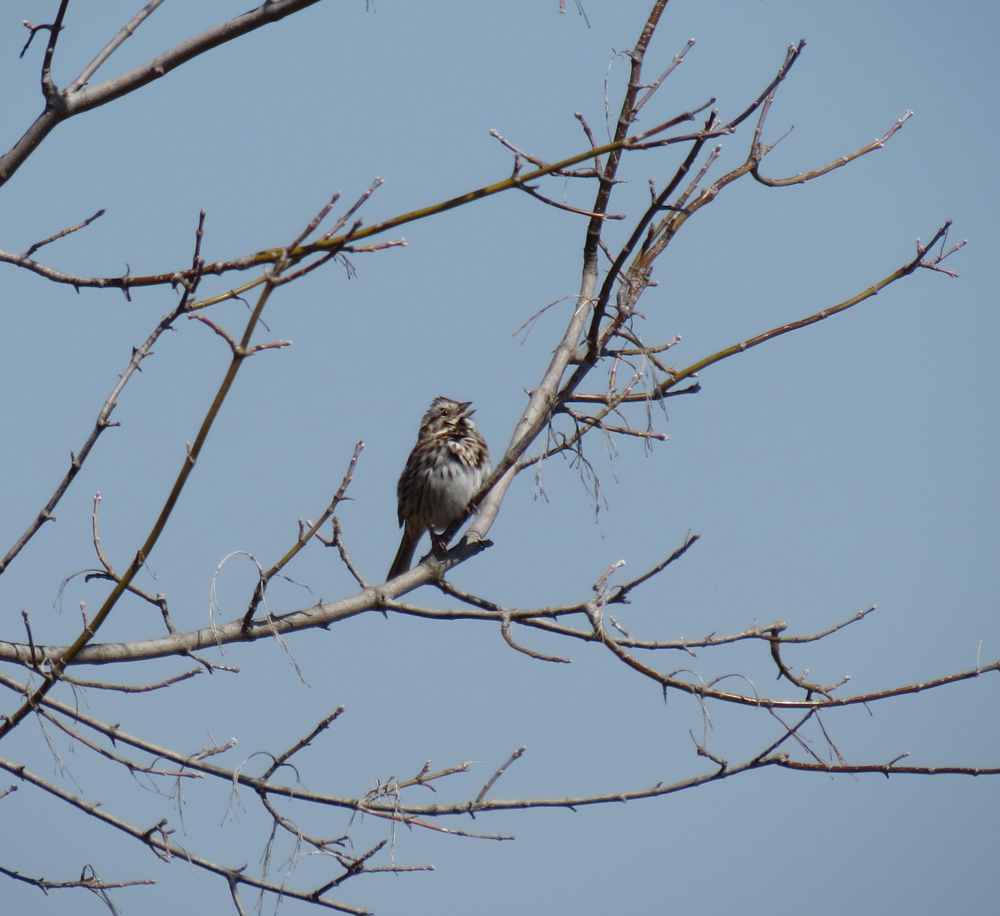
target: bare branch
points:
(674, 64)
(48, 87)
(338, 541)
(836, 164)
(305, 742)
(490, 782)
(194, 450)
(303, 539)
(126, 32)
(505, 632)
(65, 232)
(887, 769)
(79, 98)
(128, 688)
(103, 417)
(603, 327)
(873, 290)
(157, 839)
(90, 882)
(619, 597)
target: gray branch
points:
(73, 100)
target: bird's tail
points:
(404, 556)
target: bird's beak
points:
(465, 412)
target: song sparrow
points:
(445, 470)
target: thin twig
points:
(65, 232)
(281, 759)
(505, 632)
(619, 596)
(489, 783)
(302, 540)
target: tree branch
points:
(79, 98)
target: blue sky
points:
(848, 464)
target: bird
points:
(444, 472)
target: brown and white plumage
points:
(445, 470)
